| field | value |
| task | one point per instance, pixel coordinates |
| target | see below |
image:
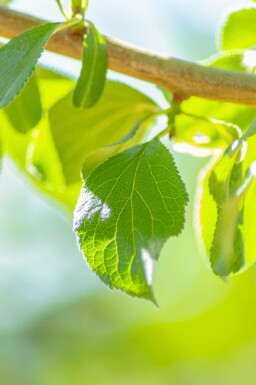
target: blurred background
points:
(59, 325)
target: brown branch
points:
(181, 77)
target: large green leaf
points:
(25, 111)
(239, 30)
(34, 152)
(92, 79)
(128, 207)
(78, 132)
(18, 59)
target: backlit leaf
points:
(227, 207)
(128, 207)
(239, 30)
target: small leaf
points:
(25, 111)
(128, 207)
(91, 82)
(18, 58)
(239, 30)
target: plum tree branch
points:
(183, 78)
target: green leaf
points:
(249, 207)
(202, 136)
(239, 30)
(18, 58)
(227, 252)
(235, 60)
(77, 132)
(25, 111)
(92, 79)
(219, 219)
(227, 202)
(206, 126)
(34, 153)
(128, 207)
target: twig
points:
(181, 77)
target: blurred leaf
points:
(227, 189)
(201, 136)
(34, 152)
(249, 207)
(25, 111)
(53, 86)
(46, 169)
(227, 247)
(206, 213)
(128, 207)
(15, 144)
(92, 79)
(18, 58)
(137, 135)
(78, 132)
(205, 126)
(239, 30)
(227, 253)
(235, 60)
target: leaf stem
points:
(77, 19)
(62, 9)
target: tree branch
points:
(181, 77)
